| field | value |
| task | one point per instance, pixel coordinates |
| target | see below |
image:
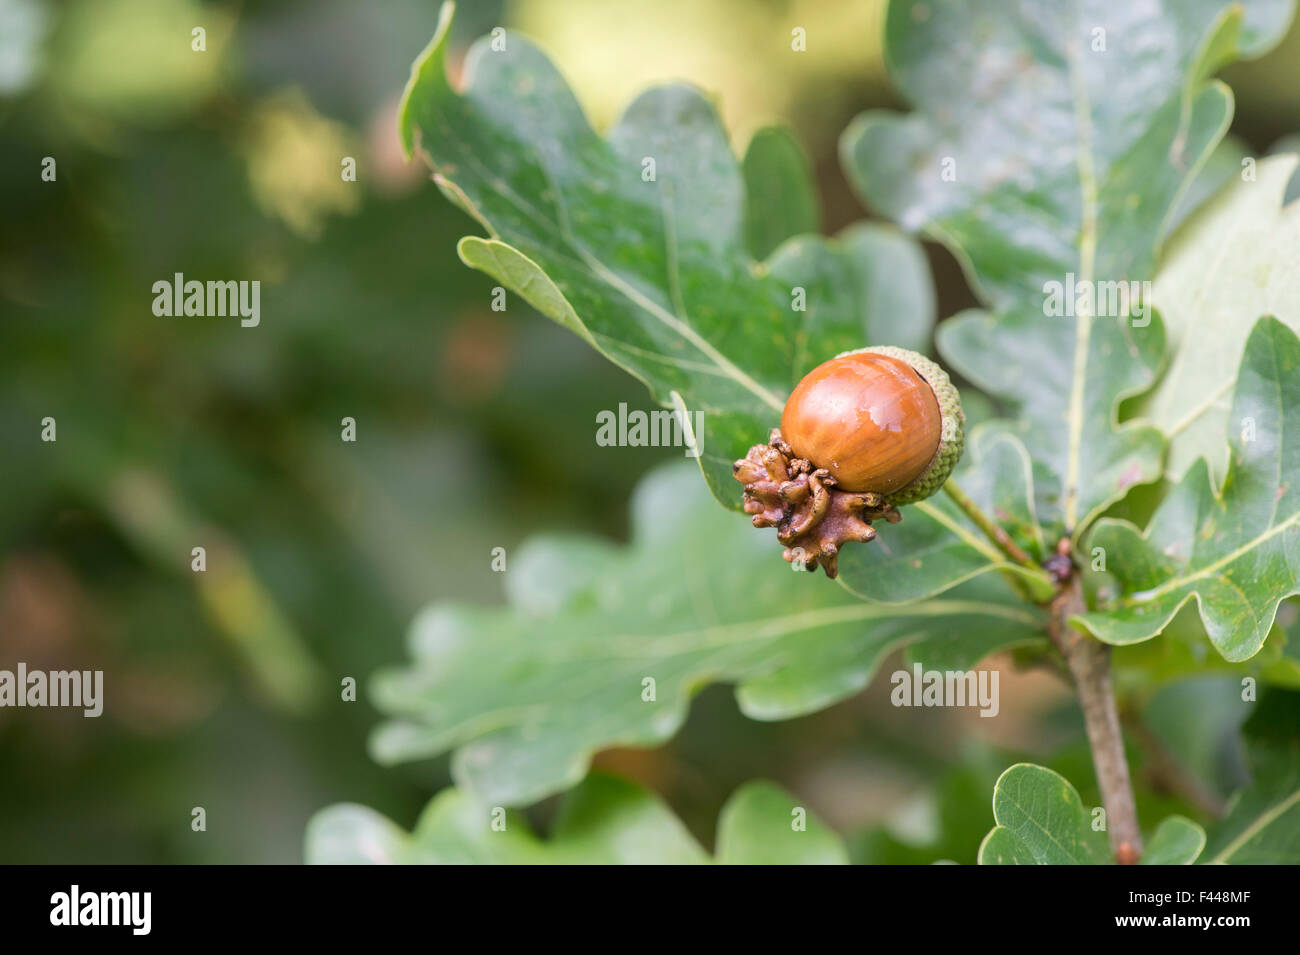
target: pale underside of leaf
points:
(1231, 262)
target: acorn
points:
(862, 434)
(878, 419)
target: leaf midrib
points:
(1261, 821)
(1087, 264)
(746, 630)
(1175, 583)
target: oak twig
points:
(1089, 664)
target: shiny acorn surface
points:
(869, 419)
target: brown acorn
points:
(860, 434)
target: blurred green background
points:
(475, 428)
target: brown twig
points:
(1089, 663)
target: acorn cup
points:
(862, 434)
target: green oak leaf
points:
(762, 825)
(1223, 167)
(1263, 822)
(868, 270)
(1262, 826)
(781, 199)
(526, 694)
(351, 834)
(1025, 358)
(1020, 159)
(1042, 821)
(1176, 841)
(660, 275)
(604, 821)
(1183, 652)
(1232, 262)
(1235, 548)
(1003, 847)
(636, 241)
(956, 649)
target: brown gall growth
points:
(861, 434)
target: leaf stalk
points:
(992, 530)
